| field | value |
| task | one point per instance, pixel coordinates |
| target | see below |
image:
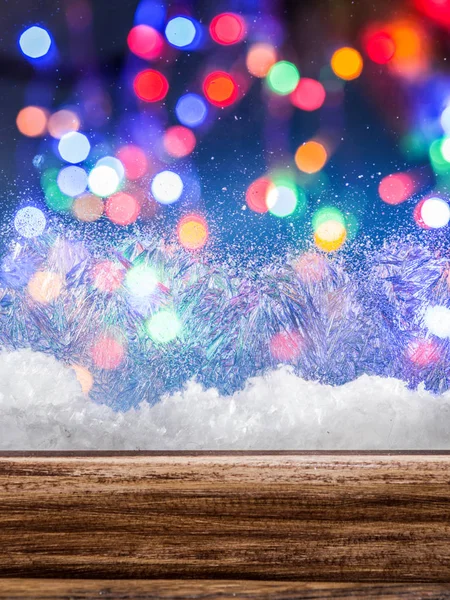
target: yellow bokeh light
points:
(84, 377)
(330, 236)
(311, 157)
(193, 232)
(44, 287)
(347, 63)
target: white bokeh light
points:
(281, 200)
(114, 163)
(141, 281)
(167, 187)
(30, 222)
(437, 321)
(445, 149)
(435, 213)
(74, 147)
(72, 181)
(103, 181)
(445, 119)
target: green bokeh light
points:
(163, 327)
(56, 200)
(283, 78)
(48, 178)
(438, 162)
(327, 213)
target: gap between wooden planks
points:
(273, 516)
(45, 589)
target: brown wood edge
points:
(336, 517)
(51, 589)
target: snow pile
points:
(42, 408)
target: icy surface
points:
(42, 407)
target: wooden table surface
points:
(286, 518)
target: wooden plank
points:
(63, 589)
(311, 517)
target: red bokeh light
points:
(108, 276)
(417, 215)
(145, 42)
(311, 267)
(308, 95)
(150, 86)
(437, 10)
(220, 89)
(256, 195)
(227, 29)
(423, 352)
(133, 160)
(396, 188)
(122, 209)
(179, 141)
(286, 346)
(107, 353)
(380, 47)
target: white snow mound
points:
(42, 408)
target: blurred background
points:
(262, 116)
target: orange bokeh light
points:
(220, 89)
(260, 59)
(84, 377)
(45, 286)
(311, 157)
(411, 48)
(347, 63)
(88, 208)
(32, 121)
(62, 122)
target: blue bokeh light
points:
(35, 42)
(182, 32)
(150, 12)
(191, 110)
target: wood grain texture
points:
(44, 589)
(267, 516)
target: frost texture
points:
(42, 408)
(352, 337)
